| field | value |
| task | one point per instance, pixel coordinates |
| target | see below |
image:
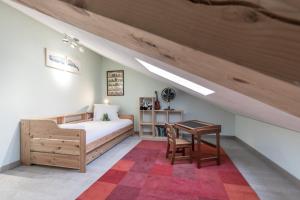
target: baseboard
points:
(10, 166)
(222, 136)
(152, 138)
(269, 162)
(188, 138)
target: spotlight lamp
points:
(65, 39)
(73, 42)
(81, 49)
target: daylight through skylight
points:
(177, 79)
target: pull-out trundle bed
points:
(71, 141)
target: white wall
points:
(280, 145)
(28, 88)
(139, 85)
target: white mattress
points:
(98, 129)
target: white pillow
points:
(101, 109)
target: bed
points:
(71, 141)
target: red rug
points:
(145, 174)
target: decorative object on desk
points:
(156, 103)
(105, 117)
(115, 83)
(168, 95)
(61, 62)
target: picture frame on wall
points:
(115, 83)
(61, 62)
(55, 60)
(73, 65)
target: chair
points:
(177, 145)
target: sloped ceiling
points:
(229, 98)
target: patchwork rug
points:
(145, 174)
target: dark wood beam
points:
(252, 53)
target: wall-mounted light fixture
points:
(106, 101)
(73, 42)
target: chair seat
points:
(180, 141)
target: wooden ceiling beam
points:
(257, 35)
(284, 11)
(235, 47)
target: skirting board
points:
(10, 166)
(152, 138)
(270, 162)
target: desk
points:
(197, 129)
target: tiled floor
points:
(268, 182)
(44, 183)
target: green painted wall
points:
(28, 88)
(138, 85)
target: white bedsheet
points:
(98, 129)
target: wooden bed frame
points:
(44, 143)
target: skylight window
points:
(177, 79)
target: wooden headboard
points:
(80, 117)
(73, 118)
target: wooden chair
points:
(177, 145)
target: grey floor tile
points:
(49, 183)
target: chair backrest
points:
(171, 133)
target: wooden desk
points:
(198, 129)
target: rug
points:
(145, 174)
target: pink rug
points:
(145, 174)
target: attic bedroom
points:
(137, 99)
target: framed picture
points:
(73, 66)
(115, 83)
(55, 60)
(61, 62)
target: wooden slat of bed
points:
(105, 147)
(58, 146)
(67, 161)
(25, 142)
(48, 129)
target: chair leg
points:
(218, 148)
(168, 151)
(199, 151)
(173, 156)
(193, 143)
(191, 155)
